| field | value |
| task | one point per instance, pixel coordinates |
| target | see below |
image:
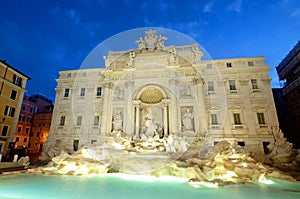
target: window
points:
(266, 149)
(4, 130)
(31, 134)
(22, 118)
(9, 111)
(23, 108)
(96, 120)
(27, 130)
(232, 86)
(250, 63)
(237, 118)
(93, 141)
(241, 143)
(17, 139)
(69, 74)
(209, 66)
(37, 134)
(19, 129)
(41, 148)
(75, 145)
(82, 92)
(13, 94)
(228, 65)
(214, 119)
(210, 86)
(99, 91)
(25, 140)
(28, 119)
(62, 120)
(31, 110)
(254, 84)
(1, 144)
(17, 80)
(67, 92)
(261, 118)
(79, 120)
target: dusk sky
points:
(42, 37)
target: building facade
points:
(35, 117)
(164, 90)
(23, 129)
(39, 133)
(289, 71)
(12, 89)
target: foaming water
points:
(111, 186)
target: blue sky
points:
(41, 38)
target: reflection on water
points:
(56, 186)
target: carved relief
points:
(185, 90)
(118, 94)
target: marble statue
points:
(141, 43)
(172, 56)
(151, 127)
(160, 42)
(118, 121)
(187, 120)
(183, 144)
(131, 59)
(197, 54)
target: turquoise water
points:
(57, 186)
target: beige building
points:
(158, 89)
(12, 89)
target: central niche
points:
(151, 96)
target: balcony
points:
(215, 127)
(238, 126)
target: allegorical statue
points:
(118, 121)
(130, 63)
(187, 120)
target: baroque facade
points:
(163, 90)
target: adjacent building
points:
(164, 90)
(34, 124)
(40, 130)
(289, 72)
(12, 89)
(24, 124)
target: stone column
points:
(199, 83)
(129, 108)
(105, 112)
(137, 120)
(166, 130)
(174, 107)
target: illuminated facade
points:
(157, 89)
(12, 89)
(34, 124)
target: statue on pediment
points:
(197, 54)
(130, 63)
(151, 41)
(141, 43)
